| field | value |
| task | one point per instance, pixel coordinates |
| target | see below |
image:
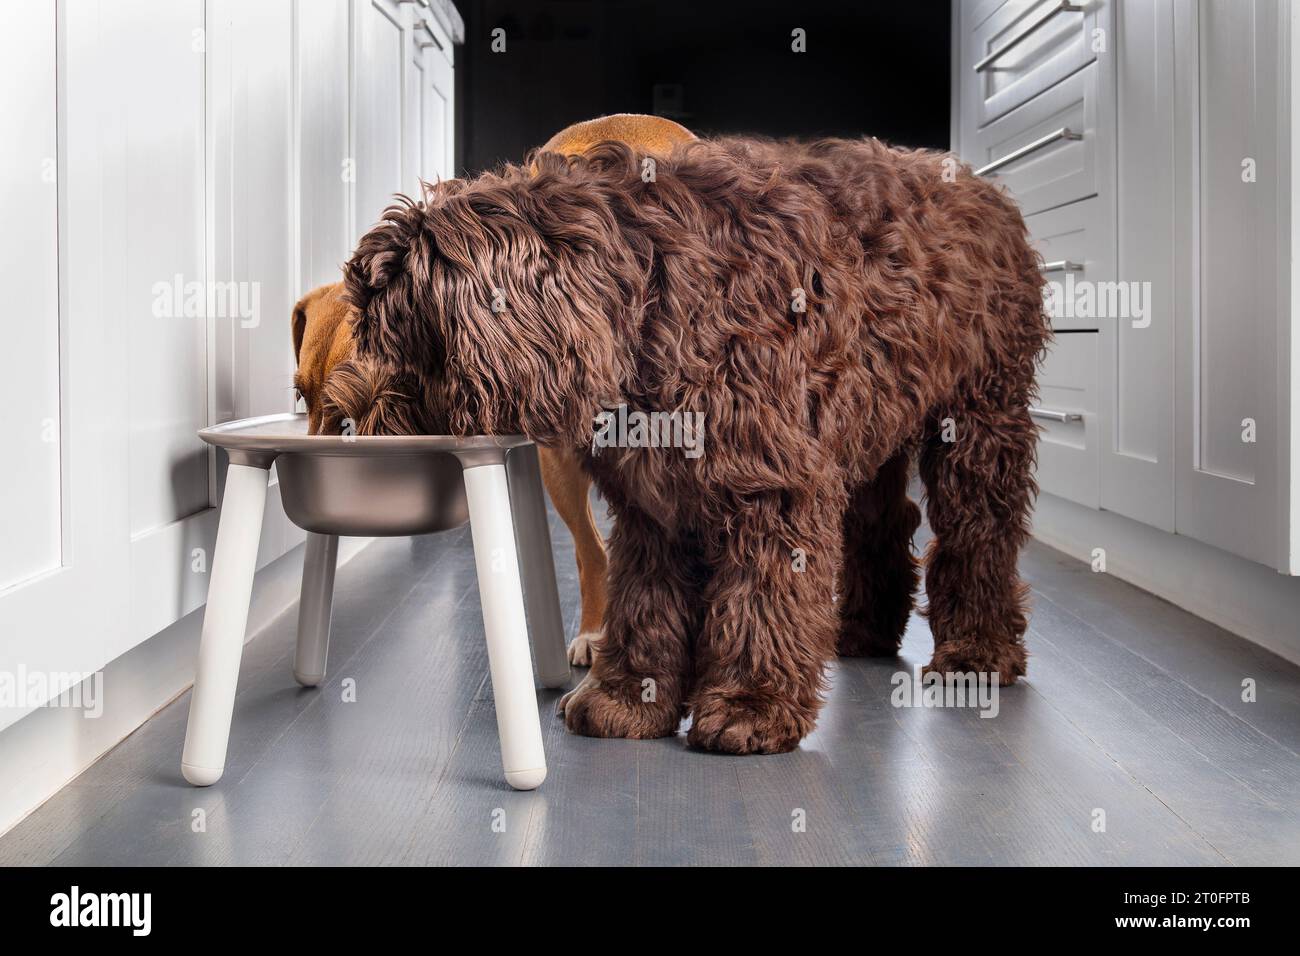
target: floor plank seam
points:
(1047, 782)
(1132, 776)
(438, 784)
(1244, 784)
(1118, 642)
(353, 657)
(316, 699)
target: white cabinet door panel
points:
(378, 114)
(414, 131)
(252, 204)
(1229, 331)
(1137, 468)
(30, 492)
(252, 190)
(155, 248)
(72, 618)
(1227, 246)
(437, 149)
(160, 300)
(438, 106)
(323, 156)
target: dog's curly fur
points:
(923, 322)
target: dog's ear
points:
(299, 325)
(379, 280)
(313, 300)
(363, 396)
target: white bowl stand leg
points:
(224, 622)
(501, 592)
(320, 559)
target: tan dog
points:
(322, 338)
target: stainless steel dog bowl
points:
(363, 485)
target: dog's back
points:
(908, 284)
(945, 268)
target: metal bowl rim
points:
(258, 436)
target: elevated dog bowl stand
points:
(382, 485)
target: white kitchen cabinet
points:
(403, 120)
(180, 171)
(1198, 413)
(1172, 178)
(1035, 88)
(130, 212)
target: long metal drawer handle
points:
(1062, 265)
(1063, 133)
(1063, 7)
(1054, 416)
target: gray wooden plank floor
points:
(1132, 709)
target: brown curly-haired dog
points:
(828, 307)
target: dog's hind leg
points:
(771, 624)
(979, 489)
(641, 675)
(879, 578)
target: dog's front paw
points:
(582, 652)
(592, 710)
(1006, 659)
(748, 725)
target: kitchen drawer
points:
(1024, 48)
(1076, 244)
(1069, 458)
(1046, 152)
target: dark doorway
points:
(870, 68)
